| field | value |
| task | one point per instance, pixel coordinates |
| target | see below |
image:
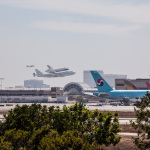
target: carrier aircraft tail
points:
(39, 73)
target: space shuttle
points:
(51, 70)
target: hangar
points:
(76, 88)
(139, 83)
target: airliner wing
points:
(102, 94)
(88, 93)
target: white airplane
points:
(30, 66)
(54, 74)
(51, 70)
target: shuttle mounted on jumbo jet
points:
(106, 91)
(54, 74)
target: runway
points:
(4, 109)
(90, 106)
(121, 120)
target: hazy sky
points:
(108, 35)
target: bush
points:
(142, 123)
(75, 127)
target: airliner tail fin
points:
(101, 83)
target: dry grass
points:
(123, 114)
(127, 128)
(126, 143)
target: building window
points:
(119, 84)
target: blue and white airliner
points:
(106, 91)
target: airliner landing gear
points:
(126, 102)
(106, 102)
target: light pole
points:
(1, 87)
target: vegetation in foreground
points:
(142, 123)
(39, 127)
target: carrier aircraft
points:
(54, 74)
(106, 91)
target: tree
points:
(4, 145)
(36, 137)
(25, 118)
(68, 140)
(142, 123)
(18, 138)
(28, 125)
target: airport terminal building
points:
(35, 84)
(139, 83)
